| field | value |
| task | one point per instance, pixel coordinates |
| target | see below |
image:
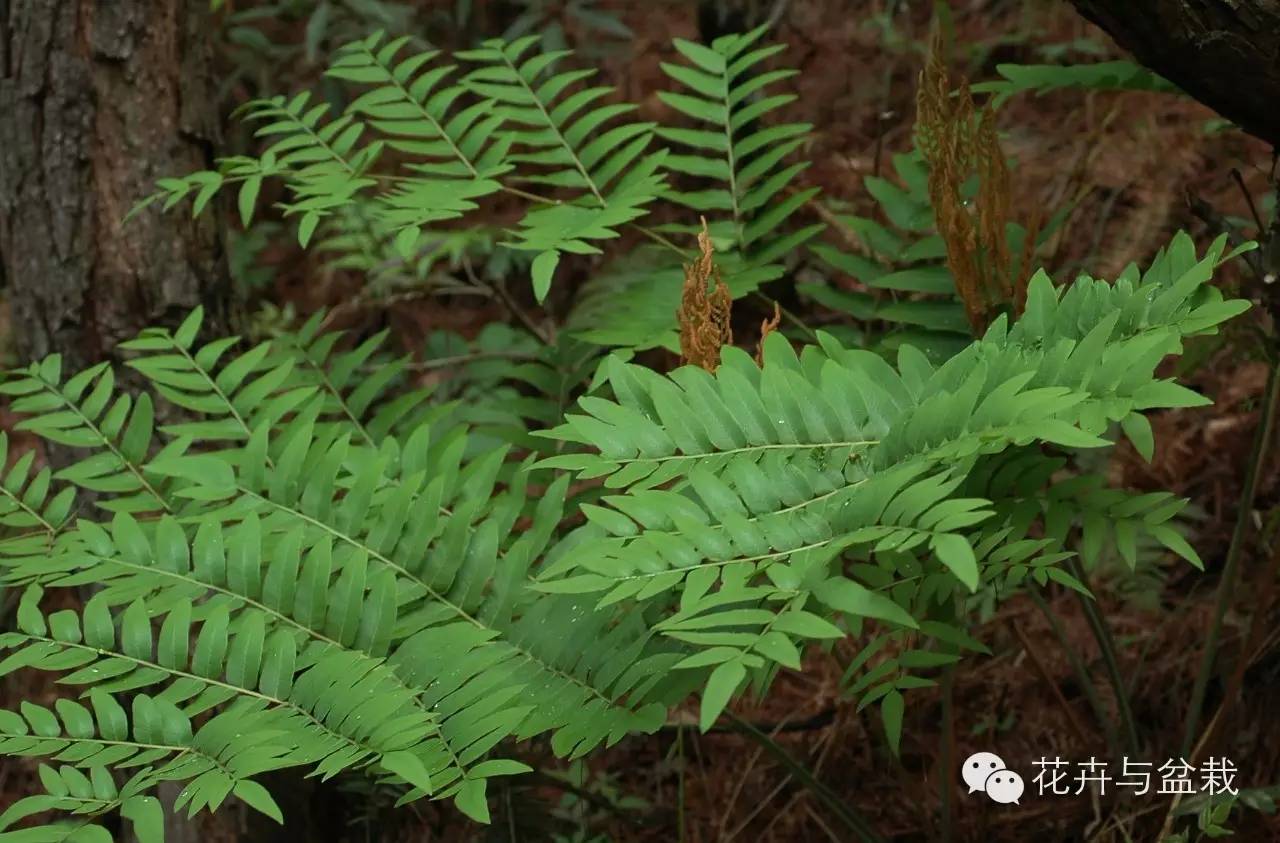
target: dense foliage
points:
(302, 557)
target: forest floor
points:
(1130, 162)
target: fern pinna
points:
(319, 569)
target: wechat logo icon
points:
(986, 772)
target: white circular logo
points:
(1005, 787)
(986, 772)
(977, 767)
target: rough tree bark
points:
(98, 99)
(1225, 53)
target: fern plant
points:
(423, 145)
(313, 559)
(316, 569)
(729, 163)
(310, 572)
(448, 129)
(723, 94)
(757, 478)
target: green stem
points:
(1106, 644)
(680, 832)
(660, 240)
(1082, 673)
(946, 760)
(1231, 569)
(847, 815)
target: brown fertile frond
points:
(958, 140)
(704, 309)
(943, 122)
(1024, 261)
(993, 210)
(767, 327)
(944, 127)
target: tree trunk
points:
(98, 99)
(1225, 53)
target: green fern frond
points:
(71, 792)
(556, 127)
(1114, 517)
(25, 499)
(1120, 75)
(448, 562)
(564, 133)
(341, 555)
(724, 87)
(243, 394)
(309, 604)
(353, 382)
(359, 239)
(1079, 516)
(458, 153)
(330, 714)
(321, 163)
(85, 412)
(775, 471)
(317, 554)
(158, 739)
(299, 372)
(412, 103)
(447, 559)
(319, 566)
